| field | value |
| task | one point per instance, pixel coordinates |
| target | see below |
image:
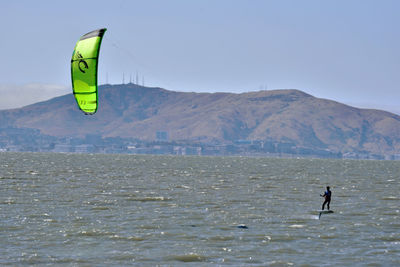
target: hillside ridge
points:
(285, 115)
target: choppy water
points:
(105, 210)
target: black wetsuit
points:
(327, 196)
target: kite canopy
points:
(84, 70)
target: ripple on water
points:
(117, 210)
(191, 257)
(149, 199)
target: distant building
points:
(243, 142)
(62, 148)
(84, 148)
(162, 136)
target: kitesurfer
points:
(327, 195)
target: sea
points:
(145, 210)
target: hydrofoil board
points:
(324, 212)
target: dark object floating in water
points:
(242, 227)
(188, 225)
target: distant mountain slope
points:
(279, 115)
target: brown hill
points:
(279, 115)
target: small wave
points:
(148, 199)
(100, 208)
(43, 215)
(280, 263)
(282, 238)
(182, 186)
(6, 178)
(125, 256)
(358, 214)
(191, 257)
(391, 213)
(390, 238)
(285, 251)
(50, 220)
(297, 226)
(10, 228)
(94, 233)
(325, 237)
(221, 238)
(148, 226)
(128, 238)
(70, 261)
(8, 201)
(314, 217)
(390, 198)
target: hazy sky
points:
(345, 50)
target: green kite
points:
(84, 64)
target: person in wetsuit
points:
(327, 196)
